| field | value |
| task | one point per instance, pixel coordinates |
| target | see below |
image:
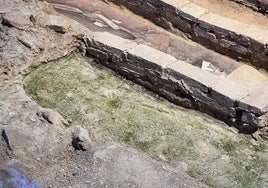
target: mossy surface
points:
(115, 109)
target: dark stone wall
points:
(257, 5)
(219, 39)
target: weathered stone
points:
(52, 117)
(81, 139)
(57, 24)
(227, 92)
(15, 19)
(247, 76)
(154, 58)
(113, 41)
(256, 100)
(14, 138)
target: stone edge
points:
(172, 15)
(177, 81)
(256, 5)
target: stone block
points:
(247, 76)
(228, 92)
(204, 78)
(257, 99)
(16, 19)
(113, 41)
(194, 10)
(256, 33)
(148, 57)
(177, 4)
(224, 22)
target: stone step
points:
(142, 31)
(171, 74)
(239, 40)
(247, 76)
(182, 83)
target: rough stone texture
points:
(224, 35)
(81, 139)
(258, 5)
(30, 32)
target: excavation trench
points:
(38, 141)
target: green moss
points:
(116, 109)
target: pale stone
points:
(258, 96)
(177, 4)
(194, 10)
(113, 41)
(247, 76)
(230, 89)
(224, 22)
(194, 73)
(152, 55)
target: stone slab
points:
(247, 76)
(257, 97)
(194, 10)
(230, 89)
(113, 41)
(205, 78)
(152, 55)
(177, 4)
(224, 22)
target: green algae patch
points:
(113, 108)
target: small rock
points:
(99, 24)
(81, 139)
(52, 117)
(58, 24)
(207, 66)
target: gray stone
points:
(113, 41)
(15, 19)
(257, 99)
(52, 117)
(81, 139)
